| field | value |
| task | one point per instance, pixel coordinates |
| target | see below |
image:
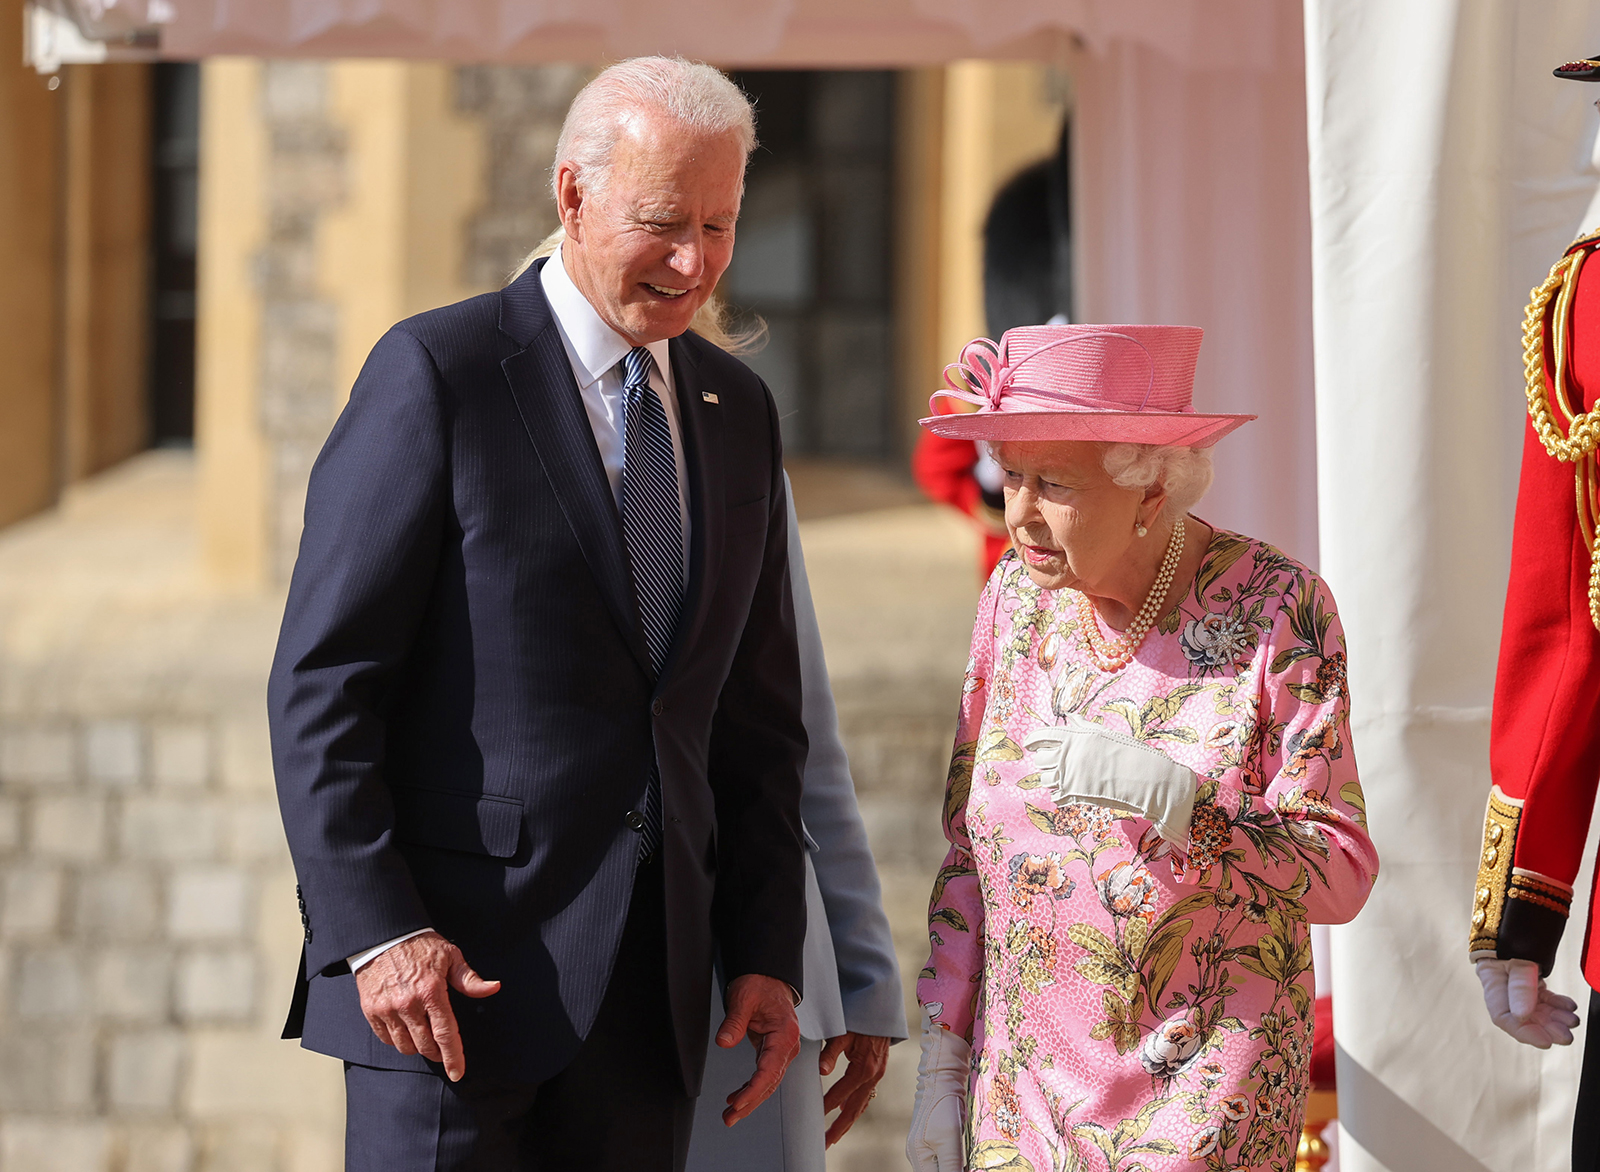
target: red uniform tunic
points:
(1545, 733)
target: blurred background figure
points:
(1027, 281)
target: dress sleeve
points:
(1295, 827)
(948, 987)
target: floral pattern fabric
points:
(1135, 1006)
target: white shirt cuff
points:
(361, 959)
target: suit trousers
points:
(619, 1106)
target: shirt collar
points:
(593, 347)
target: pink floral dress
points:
(1134, 1007)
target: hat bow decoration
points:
(983, 377)
(1099, 383)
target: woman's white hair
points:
(1185, 473)
(698, 96)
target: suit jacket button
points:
(634, 820)
(659, 706)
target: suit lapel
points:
(552, 411)
(702, 440)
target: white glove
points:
(1520, 1004)
(939, 1119)
(1082, 762)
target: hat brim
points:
(1162, 428)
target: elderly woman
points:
(1152, 793)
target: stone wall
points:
(148, 930)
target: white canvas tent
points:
(800, 33)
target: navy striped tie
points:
(652, 532)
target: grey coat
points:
(852, 981)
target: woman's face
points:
(1071, 525)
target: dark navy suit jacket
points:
(463, 712)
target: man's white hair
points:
(698, 96)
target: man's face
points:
(649, 249)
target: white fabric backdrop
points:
(1191, 208)
(818, 33)
(1448, 170)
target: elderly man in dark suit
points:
(536, 706)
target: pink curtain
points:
(1192, 208)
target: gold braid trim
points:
(1500, 824)
(1541, 890)
(1568, 435)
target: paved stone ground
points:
(148, 931)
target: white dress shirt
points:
(595, 352)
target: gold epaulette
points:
(1567, 434)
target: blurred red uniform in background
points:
(948, 470)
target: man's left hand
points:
(868, 1058)
(763, 1008)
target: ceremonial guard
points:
(1545, 736)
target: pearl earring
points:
(1141, 530)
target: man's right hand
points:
(1521, 1005)
(405, 994)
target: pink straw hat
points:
(1114, 384)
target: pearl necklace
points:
(1116, 654)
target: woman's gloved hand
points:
(1081, 761)
(939, 1119)
(1520, 1004)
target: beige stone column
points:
(414, 165)
(335, 201)
(999, 117)
(919, 239)
(962, 132)
(230, 445)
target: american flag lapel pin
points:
(709, 397)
